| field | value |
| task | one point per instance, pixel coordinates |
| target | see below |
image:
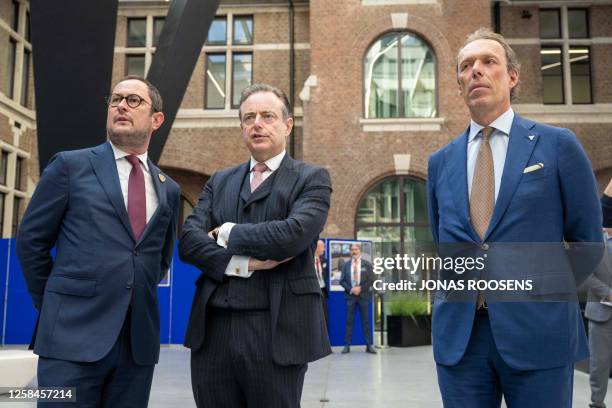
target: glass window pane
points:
(137, 32)
(215, 81)
(14, 17)
(552, 75)
(135, 64)
(415, 198)
(10, 68)
(243, 30)
(549, 23)
(25, 77)
(17, 204)
(381, 203)
(158, 25)
(381, 78)
(577, 22)
(242, 74)
(217, 34)
(418, 78)
(580, 68)
(3, 167)
(19, 174)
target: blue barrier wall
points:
(19, 316)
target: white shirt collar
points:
(273, 163)
(503, 123)
(119, 154)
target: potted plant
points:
(409, 321)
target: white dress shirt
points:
(124, 168)
(499, 146)
(239, 264)
(358, 261)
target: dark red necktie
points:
(137, 202)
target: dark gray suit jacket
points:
(600, 285)
(294, 201)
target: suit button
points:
(128, 285)
(135, 253)
(485, 246)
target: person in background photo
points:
(321, 271)
(357, 279)
(111, 214)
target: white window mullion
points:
(228, 61)
(565, 57)
(148, 43)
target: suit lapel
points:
(456, 171)
(520, 147)
(160, 190)
(105, 168)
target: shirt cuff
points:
(238, 266)
(224, 233)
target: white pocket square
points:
(535, 167)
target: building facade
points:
(373, 85)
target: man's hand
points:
(356, 290)
(214, 233)
(608, 190)
(259, 265)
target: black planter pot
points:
(407, 331)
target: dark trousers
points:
(600, 345)
(115, 381)
(325, 308)
(234, 366)
(481, 378)
(352, 303)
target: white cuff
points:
(238, 266)
(224, 233)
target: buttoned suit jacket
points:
(294, 202)
(82, 295)
(555, 203)
(366, 279)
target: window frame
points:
(565, 42)
(229, 49)
(400, 100)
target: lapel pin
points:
(531, 137)
(162, 178)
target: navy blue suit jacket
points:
(294, 202)
(556, 203)
(82, 295)
(366, 281)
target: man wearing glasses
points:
(257, 319)
(111, 214)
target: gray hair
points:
(261, 87)
(513, 63)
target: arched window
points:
(393, 214)
(400, 78)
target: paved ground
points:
(394, 378)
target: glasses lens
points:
(133, 101)
(114, 100)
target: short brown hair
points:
(513, 63)
(157, 103)
(261, 87)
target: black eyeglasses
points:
(132, 100)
